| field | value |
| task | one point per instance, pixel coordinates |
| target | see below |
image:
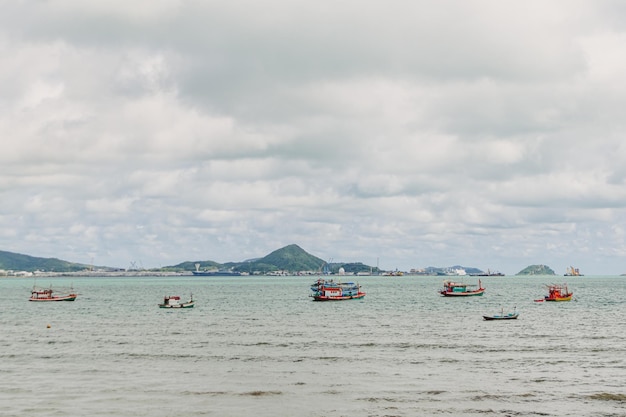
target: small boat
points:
(508, 316)
(459, 289)
(173, 301)
(557, 292)
(48, 294)
(324, 290)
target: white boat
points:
(173, 301)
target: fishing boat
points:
(328, 290)
(557, 292)
(461, 289)
(173, 301)
(48, 294)
(502, 316)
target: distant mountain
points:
(352, 268)
(290, 258)
(536, 270)
(191, 266)
(10, 261)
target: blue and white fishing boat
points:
(328, 290)
(461, 289)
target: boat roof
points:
(556, 285)
(458, 284)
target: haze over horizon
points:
(416, 133)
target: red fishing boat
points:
(460, 289)
(557, 292)
(48, 294)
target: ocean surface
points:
(259, 346)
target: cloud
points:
(416, 133)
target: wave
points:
(608, 396)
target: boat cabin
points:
(38, 294)
(171, 300)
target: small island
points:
(536, 270)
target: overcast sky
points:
(411, 133)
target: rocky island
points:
(536, 270)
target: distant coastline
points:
(97, 274)
(290, 260)
(153, 273)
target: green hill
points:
(352, 268)
(290, 258)
(536, 270)
(191, 266)
(10, 261)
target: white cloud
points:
(415, 132)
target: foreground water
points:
(261, 347)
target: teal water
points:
(261, 347)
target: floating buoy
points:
(48, 326)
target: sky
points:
(397, 133)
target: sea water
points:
(259, 346)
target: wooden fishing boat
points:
(502, 316)
(557, 292)
(173, 301)
(460, 289)
(324, 290)
(48, 294)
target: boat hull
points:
(185, 305)
(462, 294)
(70, 297)
(566, 298)
(337, 298)
(216, 273)
(499, 317)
